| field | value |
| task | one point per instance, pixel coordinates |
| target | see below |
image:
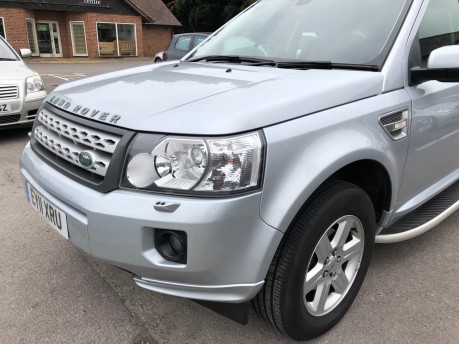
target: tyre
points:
(321, 263)
(157, 60)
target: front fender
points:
(305, 152)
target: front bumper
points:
(229, 247)
(23, 110)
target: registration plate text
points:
(5, 107)
(53, 215)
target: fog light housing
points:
(172, 245)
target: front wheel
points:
(321, 263)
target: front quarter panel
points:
(305, 152)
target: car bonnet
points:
(211, 99)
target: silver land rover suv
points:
(263, 166)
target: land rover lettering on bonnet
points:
(84, 111)
(262, 167)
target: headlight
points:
(195, 165)
(35, 84)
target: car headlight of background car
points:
(189, 165)
(35, 84)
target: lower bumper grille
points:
(32, 114)
(9, 119)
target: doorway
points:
(49, 39)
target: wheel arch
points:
(346, 142)
(369, 175)
(373, 178)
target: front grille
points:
(9, 92)
(9, 119)
(67, 139)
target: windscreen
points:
(6, 53)
(337, 31)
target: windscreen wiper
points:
(235, 59)
(7, 59)
(253, 61)
(325, 65)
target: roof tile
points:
(154, 12)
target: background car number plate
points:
(5, 107)
(53, 215)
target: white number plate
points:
(53, 215)
(5, 107)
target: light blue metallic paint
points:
(302, 154)
(220, 232)
(146, 100)
(315, 123)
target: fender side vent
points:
(395, 124)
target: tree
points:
(205, 15)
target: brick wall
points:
(156, 39)
(150, 38)
(15, 26)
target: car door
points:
(434, 140)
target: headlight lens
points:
(35, 84)
(195, 165)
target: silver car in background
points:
(22, 91)
(180, 45)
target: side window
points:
(198, 40)
(183, 43)
(439, 27)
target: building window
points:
(32, 36)
(78, 39)
(2, 27)
(116, 39)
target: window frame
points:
(2, 19)
(34, 34)
(415, 54)
(117, 37)
(85, 38)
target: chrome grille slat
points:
(9, 92)
(69, 150)
(92, 138)
(67, 139)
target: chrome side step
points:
(412, 233)
(424, 218)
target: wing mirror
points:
(25, 53)
(443, 66)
